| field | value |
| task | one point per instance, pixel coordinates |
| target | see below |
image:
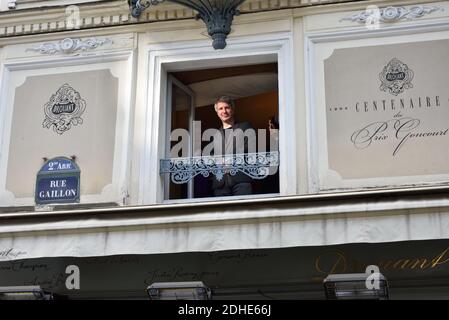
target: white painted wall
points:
(21, 63)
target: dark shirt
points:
(229, 146)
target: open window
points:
(188, 172)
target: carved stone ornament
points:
(396, 77)
(391, 14)
(69, 45)
(64, 110)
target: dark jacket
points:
(229, 147)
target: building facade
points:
(91, 98)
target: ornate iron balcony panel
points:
(255, 165)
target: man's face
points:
(225, 112)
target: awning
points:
(319, 220)
(413, 269)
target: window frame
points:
(191, 55)
(172, 81)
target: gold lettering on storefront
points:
(437, 261)
(332, 262)
(339, 264)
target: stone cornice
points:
(315, 206)
(116, 13)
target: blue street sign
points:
(58, 181)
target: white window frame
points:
(163, 58)
(173, 81)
